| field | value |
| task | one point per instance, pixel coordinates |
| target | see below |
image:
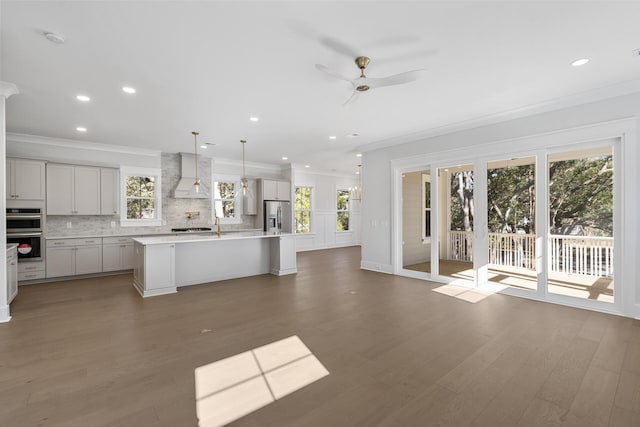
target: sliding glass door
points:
(511, 219)
(416, 221)
(581, 224)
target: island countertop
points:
(189, 238)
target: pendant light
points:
(243, 180)
(196, 184)
(356, 193)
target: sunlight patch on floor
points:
(472, 295)
(238, 385)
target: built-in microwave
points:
(24, 219)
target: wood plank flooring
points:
(91, 352)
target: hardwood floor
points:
(92, 352)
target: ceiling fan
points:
(364, 83)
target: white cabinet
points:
(73, 190)
(70, 257)
(117, 253)
(275, 190)
(12, 274)
(31, 270)
(109, 191)
(25, 179)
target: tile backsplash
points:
(173, 210)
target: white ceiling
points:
(209, 66)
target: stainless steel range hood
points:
(185, 188)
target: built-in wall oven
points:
(24, 227)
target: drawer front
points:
(30, 275)
(117, 240)
(30, 267)
(63, 243)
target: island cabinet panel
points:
(283, 256)
(154, 269)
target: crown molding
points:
(253, 165)
(593, 95)
(79, 144)
(309, 171)
(7, 89)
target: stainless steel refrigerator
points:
(277, 216)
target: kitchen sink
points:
(190, 229)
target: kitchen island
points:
(163, 264)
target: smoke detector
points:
(54, 38)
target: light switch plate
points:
(69, 224)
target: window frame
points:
(237, 198)
(426, 179)
(348, 210)
(310, 210)
(143, 222)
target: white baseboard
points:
(376, 266)
(4, 314)
(317, 248)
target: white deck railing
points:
(513, 250)
(591, 256)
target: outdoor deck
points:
(575, 285)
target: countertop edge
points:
(160, 240)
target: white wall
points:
(378, 207)
(323, 216)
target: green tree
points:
(511, 197)
(302, 209)
(462, 206)
(342, 204)
(140, 197)
(581, 196)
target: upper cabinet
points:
(275, 190)
(109, 194)
(25, 179)
(73, 190)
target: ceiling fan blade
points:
(396, 79)
(330, 73)
(353, 98)
(339, 47)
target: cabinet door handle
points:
(26, 276)
(12, 263)
(58, 243)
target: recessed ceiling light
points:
(83, 98)
(579, 62)
(285, 158)
(204, 146)
(81, 129)
(357, 172)
(54, 38)
(307, 166)
(332, 137)
(128, 89)
(359, 155)
(353, 135)
(254, 118)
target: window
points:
(426, 208)
(302, 210)
(342, 209)
(141, 197)
(225, 198)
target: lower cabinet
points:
(70, 257)
(12, 274)
(117, 253)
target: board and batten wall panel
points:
(323, 216)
